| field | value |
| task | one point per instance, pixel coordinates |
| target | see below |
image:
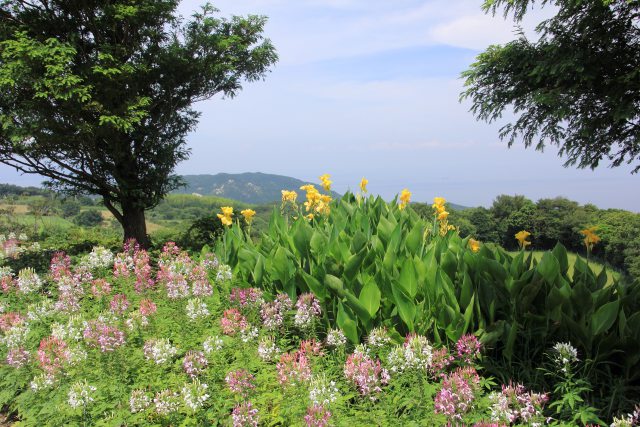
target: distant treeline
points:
(16, 190)
(551, 221)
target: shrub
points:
(69, 208)
(88, 218)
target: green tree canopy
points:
(97, 96)
(577, 87)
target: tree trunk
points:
(134, 225)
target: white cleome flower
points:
(80, 394)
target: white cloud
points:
(306, 31)
(472, 32)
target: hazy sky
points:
(370, 88)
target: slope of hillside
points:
(250, 187)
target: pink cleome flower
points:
(194, 363)
(468, 348)
(100, 288)
(273, 313)
(232, 322)
(119, 304)
(245, 298)
(104, 336)
(52, 354)
(245, 415)
(9, 320)
(147, 307)
(317, 416)
(457, 394)
(60, 266)
(18, 357)
(293, 368)
(311, 347)
(240, 382)
(366, 374)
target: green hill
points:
(250, 187)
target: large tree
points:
(577, 86)
(97, 95)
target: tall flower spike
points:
(326, 182)
(590, 237)
(405, 198)
(363, 185)
(226, 215)
(248, 215)
(289, 196)
(521, 237)
(474, 245)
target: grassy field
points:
(595, 266)
(176, 211)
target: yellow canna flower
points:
(248, 215)
(522, 236)
(313, 196)
(442, 215)
(226, 220)
(225, 216)
(363, 185)
(289, 196)
(405, 198)
(308, 206)
(325, 198)
(438, 202)
(326, 182)
(590, 237)
(474, 245)
(309, 216)
(308, 188)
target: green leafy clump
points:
(373, 264)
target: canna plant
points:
(378, 264)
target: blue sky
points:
(370, 88)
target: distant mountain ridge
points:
(248, 187)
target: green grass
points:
(52, 221)
(595, 266)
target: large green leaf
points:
(408, 278)
(468, 315)
(444, 286)
(334, 283)
(283, 270)
(354, 263)
(466, 291)
(258, 271)
(347, 323)
(517, 265)
(389, 260)
(302, 238)
(314, 284)
(560, 253)
(370, 297)
(413, 241)
(318, 243)
(604, 317)
(511, 340)
(582, 300)
(449, 264)
(405, 304)
(548, 267)
(385, 228)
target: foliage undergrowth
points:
(376, 264)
